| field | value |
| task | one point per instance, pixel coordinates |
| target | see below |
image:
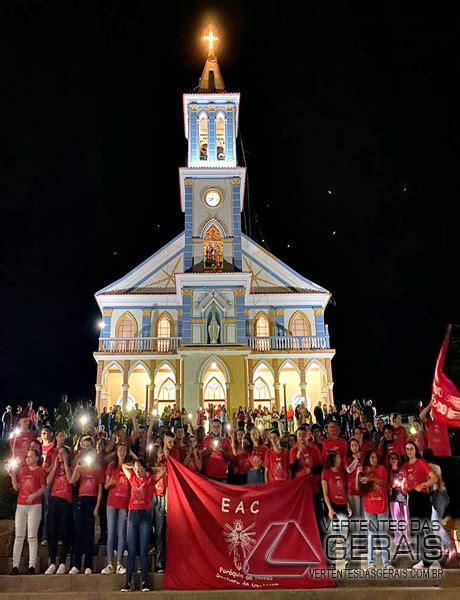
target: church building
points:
(212, 317)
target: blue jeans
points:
(116, 532)
(139, 527)
(159, 519)
(377, 525)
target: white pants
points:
(27, 518)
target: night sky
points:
(356, 99)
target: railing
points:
(147, 344)
(290, 342)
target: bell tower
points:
(212, 185)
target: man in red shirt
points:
(217, 453)
(334, 441)
(276, 460)
(169, 440)
(437, 434)
(20, 442)
(400, 431)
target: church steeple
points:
(211, 80)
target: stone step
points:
(6, 564)
(362, 593)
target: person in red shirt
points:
(217, 453)
(257, 451)
(334, 487)
(22, 438)
(140, 518)
(400, 432)
(90, 477)
(276, 460)
(318, 437)
(419, 479)
(365, 445)
(437, 434)
(119, 491)
(30, 484)
(192, 459)
(240, 465)
(334, 441)
(158, 459)
(60, 510)
(305, 461)
(388, 444)
(353, 461)
(374, 477)
(180, 444)
(398, 498)
(32, 415)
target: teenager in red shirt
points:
(388, 444)
(400, 432)
(334, 441)
(240, 465)
(257, 451)
(192, 459)
(119, 491)
(60, 510)
(140, 518)
(437, 434)
(335, 496)
(365, 445)
(374, 479)
(158, 459)
(276, 460)
(353, 461)
(90, 477)
(419, 479)
(22, 438)
(217, 453)
(30, 483)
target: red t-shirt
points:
(182, 452)
(118, 496)
(142, 491)
(61, 488)
(30, 481)
(438, 438)
(336, 485)
(48, 449)
(351, 477)
(401, 434)
(277, 464)
(241, 463)
(50, 457)
(310, 458)
(89, 481)
(257, 452)
(174, 453)
(192, 462)
(416, 473)
(376, 500)
(216, 465)
(340, 445)
(21, 443)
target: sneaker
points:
(418, 565)
(14, 571)
(145, 587)
(51, 570)
(74, 571)
(61, 569)
(31, 571)
(121, 570)
(160, 568)
(43, 543)
(126, 588)
(88, 571)
(108, 570)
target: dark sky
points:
(356, 98)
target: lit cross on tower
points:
(211, 38)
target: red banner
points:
(240, 537)
(445, 398)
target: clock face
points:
(212, 198)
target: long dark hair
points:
(115, 460)
(367, 458)
(417, 453)
(329, 460)
(349, 452)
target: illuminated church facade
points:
(212, 317)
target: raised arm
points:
(424, 412)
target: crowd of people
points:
(79, 465)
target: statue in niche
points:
(213, 249)
(213, 329)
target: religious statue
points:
(213, 329)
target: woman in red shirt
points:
(158, 459)
(290, 419)
(140, 518)
(239, 465)
(419, 479)
(90, 477)
(353, 461)
(193, 460)
(334, 486)
(119, 490)
(257, 450)
(373, 480)
(30, 482)
(60, 510)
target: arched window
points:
(126, 326)
(164, 330)
(213, 249)
(261, 391)
(167, 391)
(203, 134)
(299, 327)
(262, 330)
(214, 390)
(220, 136)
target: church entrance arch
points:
(214, 382)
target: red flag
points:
(445, 398)
(241, 537)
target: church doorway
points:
(214, 382)
(165, 389)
